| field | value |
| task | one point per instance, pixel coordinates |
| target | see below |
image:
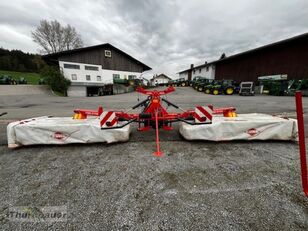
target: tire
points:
(207, 91)
(183, 84)
(229, 91)
(215, 92)
(200, 89)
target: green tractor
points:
(7, 80)
(41, 81)
(181, 82)
(194, 81)
(198, 81)
(228, 87)
(22, 80)
(203, 83)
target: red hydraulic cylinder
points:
(301, 138)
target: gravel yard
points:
(195, 186)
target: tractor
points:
(194, 80)
(197, 82)
(203, 83)
(228, 87)
(22, 80)
(7, 80)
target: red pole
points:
(301, 139)
(158, 152)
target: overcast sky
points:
(167, 35)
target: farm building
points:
(95, 69)
(206, 70)
(287, 57)
(161, 79)
(186, 74)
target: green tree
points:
(55, 79)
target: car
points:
(247, 88)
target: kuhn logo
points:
(252, 132)
(58, 135)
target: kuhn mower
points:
(154, 115)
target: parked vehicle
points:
(194, 80)
(276, 87)
(247, 88)
(182, 82)
(228, 87)
(42, 81)
(203, 83)
(7, 80)
(22, 80)
(197, 82)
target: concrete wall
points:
(24, 90)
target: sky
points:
(167, 35)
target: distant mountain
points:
(16, 60)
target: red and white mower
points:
(154, 115)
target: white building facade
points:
(98, 70)
(160, 80)
(206, 71)
(89, 73)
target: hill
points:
(32, 78)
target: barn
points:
(96, 68)
(287, 57)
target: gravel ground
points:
(195, 186)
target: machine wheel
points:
(207, 91)
(215, 92)
(183, 84)
(229, 91)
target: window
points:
(200, 70)
(130, 77)
(88, 77)
(71, 66)
(99, 78)
(207, 68)
(74, 77)
(107, 53)
(91, 68)
(116, 76)
(194, 71)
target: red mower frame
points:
(154, 115)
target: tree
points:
(223, 56)
(55, 79)
(53, 37)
